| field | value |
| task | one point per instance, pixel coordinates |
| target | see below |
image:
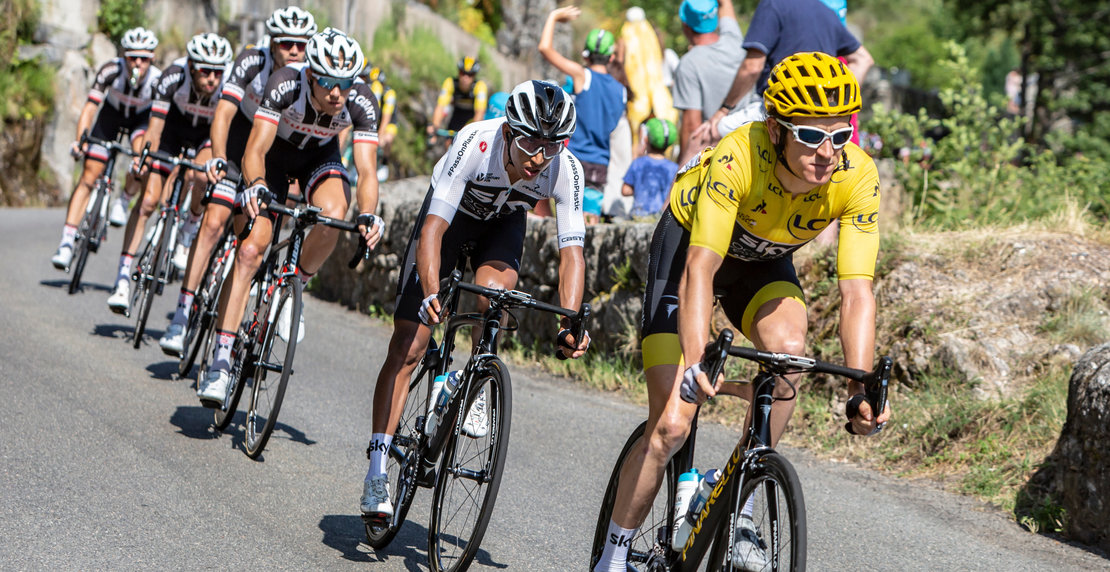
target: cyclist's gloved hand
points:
(861, 419)
(566, 341)
(215, 168)
(372, 228)
(693, 379)
(252, 196)
(76, 151)
(429, 310)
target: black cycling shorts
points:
(741, 287)
(109, 124)
(223, 193)
(499, 239)
(309, 166)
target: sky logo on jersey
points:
(761, 208)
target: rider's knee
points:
(670, 432)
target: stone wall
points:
(608, 248)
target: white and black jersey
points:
(175, 98)
(247, 82)
(471, 179)
(113, 87)
(286, 104)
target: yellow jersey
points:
(734, 186)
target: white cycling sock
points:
(614, 557)
(69, 235)
(221, 357)
(748, 507)
(124, 273)
(379, 448)
(184, 303)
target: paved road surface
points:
(108, 461)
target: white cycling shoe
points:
(181, 256)
(117, 215)
(63, 257)
(173, 341)
(375, 498)
(212, 390)
(477, 421)
(120, 300)
(749, 552)
(285, 321)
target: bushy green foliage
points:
(26, 86)
(973, 174)
(114, 17)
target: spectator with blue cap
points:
(496, 106)
(705, 73)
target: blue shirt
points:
(781, 28)
(651, 181)
(600, 106)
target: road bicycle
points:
(206, 299)
(462, 467)
(154, 269)
(262, 356)
(93, 228)
(753, 471)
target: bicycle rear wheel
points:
(779, 516)
(403, 461)
(645, 551)
(145, 286)
(470, 473)
(274, 365)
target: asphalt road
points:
(109, 462)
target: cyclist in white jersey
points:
(494, 173)
(122, 91)
(289, 30)
(304, 107)
(184, 103)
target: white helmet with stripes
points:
(334, 54)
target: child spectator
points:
(649, 177)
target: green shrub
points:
(114, 17)
(26, 86)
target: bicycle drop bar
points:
(875, 382)
(172, 160)
(110, 145)
(308, 214)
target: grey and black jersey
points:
(249, 74)
(286, 104)
(113, 86)
(175, 95)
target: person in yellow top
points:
(737, 212)
(387, 130)
(463, 96)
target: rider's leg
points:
(136, 223)
(79, 200)
(332, 195)
(780, 326)
(211, 228)
(236, 291)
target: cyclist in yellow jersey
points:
(463, 96)
(387, 130)
(737, 212)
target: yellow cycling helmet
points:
(811, 84)
(469, 65)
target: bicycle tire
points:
(205, 301)
(81, 246)
(480, 461)
(266, 396)
(771, 474)
(222, 416)
(403, 461)
(642, 554)
(143, 295)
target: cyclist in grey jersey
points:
(289, 30)
(122, 93)
(180, 115)
(493, 173)
(303, 108)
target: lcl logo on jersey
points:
(868, 220)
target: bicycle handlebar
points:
(171, 159)
(110, 145)
(309, 215)
(875, 382)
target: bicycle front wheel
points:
(645, 551)
(202, 315)
(403, 461)
(778, 516)
(86, 235)
(470, 471)
(274, 365)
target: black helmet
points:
(541, 109)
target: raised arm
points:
(547, 45)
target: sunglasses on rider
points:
(329, 83)
(290, 43)
(532, 145)
(217, 71)
(138, 59)
(813, 137)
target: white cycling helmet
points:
(210, 49)
(291, 21)
(334, 54)
(541, 109)
(138, 40)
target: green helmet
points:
(661, 133)
(600, 41)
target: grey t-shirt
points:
(705, 73)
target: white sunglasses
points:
(813, 137)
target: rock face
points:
(1077, 474)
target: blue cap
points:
(700, 15)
